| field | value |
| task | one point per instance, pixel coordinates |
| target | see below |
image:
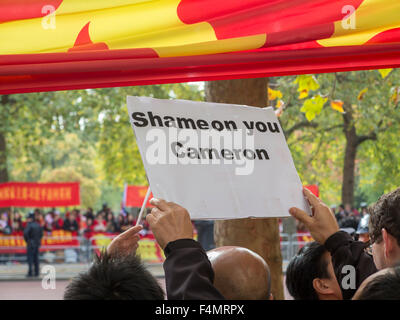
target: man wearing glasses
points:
(384, 231)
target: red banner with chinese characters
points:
(34, 194)
(134, 196)
(57, 239)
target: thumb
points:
(301, 215)
(135, 229)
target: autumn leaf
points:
(306, 83)
(280, 105)
(384, 72)
(312, 107)
(337, 105)
(303, 94)
(274, 94)
(362, 93)
(395, 91)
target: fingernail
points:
(154, 200)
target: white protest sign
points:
(219, 161)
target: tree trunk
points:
(3, 159)
(349, 171)
(3, 143)
(349, 156)
(258, 235)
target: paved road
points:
(64, 271)
(30, 290)
(14, 285)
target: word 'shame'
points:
(141, 120)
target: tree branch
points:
(299, 125)
(361, 139)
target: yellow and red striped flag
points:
(71, 44)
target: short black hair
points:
(115, 278)
(385, 213)
(383, 287)
(303, 268)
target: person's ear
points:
(322, 286)
(389, 243)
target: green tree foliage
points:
(117, 145)
(313, 119)
(90, 190)
(82, 134)
(89, 131)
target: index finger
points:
(314, 201)
(131, 231)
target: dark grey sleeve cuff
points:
(181, 243)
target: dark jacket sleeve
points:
(26, 233)
(40, 235)
(188, 272)
(346, 251)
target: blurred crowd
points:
(350, 219)
(353, 221)
(104, 220)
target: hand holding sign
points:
(126, 243)
(322, 224)
(169, 222)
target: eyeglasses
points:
(368, 247)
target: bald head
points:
(240, 274)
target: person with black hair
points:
(340, 214)
(117, 274)
(71, 223)
(310, 275)
(33, 234)
(115, 277)
(383, 285)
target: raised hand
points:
(322, 224)
(169, 222)
(125, 243)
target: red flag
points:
(134, 196)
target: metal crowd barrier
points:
(86, 249)
(91, 248)
(60, 251)
(290, 244)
